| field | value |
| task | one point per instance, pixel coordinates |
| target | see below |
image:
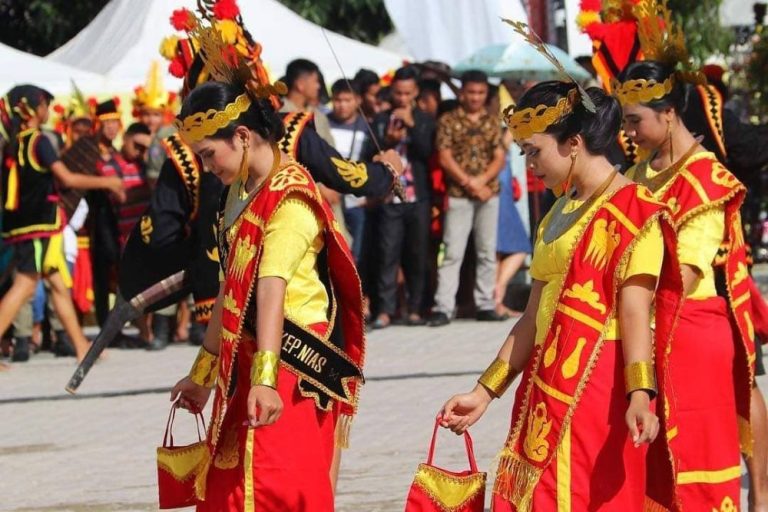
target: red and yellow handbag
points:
(177, 466)
(437, 490)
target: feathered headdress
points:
(76, 109)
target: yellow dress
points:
(549, 264)
(698, 240)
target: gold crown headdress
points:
(661, 40)
(228, 57)
(524, 123)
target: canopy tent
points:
(125, 36)
(25, 68)
(433, 31)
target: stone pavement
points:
(96, 452)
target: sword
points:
(123, 312)
(397, 186)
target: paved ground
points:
(96, 452)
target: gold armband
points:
(203, 372)
(264, 369)
(640, 376)
(498, 377)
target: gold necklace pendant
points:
(560, 222)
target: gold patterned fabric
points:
(549, 266)
(471, 143)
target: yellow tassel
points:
(343, 429)
(745, 437)
(653, 506)
(516, 480)
(12, 194)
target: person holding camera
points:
(403, 225)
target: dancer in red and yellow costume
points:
(583, 409)
(285, 344)
(707, 418)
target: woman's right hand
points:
(192, 397)
(462, 411)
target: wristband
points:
(264, 369)
(497, 377)
(640, 376)
(203, 372)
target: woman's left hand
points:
(264, 406)
(643, 424)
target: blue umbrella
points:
(520, 61)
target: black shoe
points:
(63, 346)
(161, 332)
(489, 315)
(21, 350)
(196, 334)
(438, 320)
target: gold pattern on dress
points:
(551, 353)
(336, 226)
(573, 362)
(723, 177)
(228, 456)
(230, 304)
(354, 173)
(742, 273)
(737, 233)
(674, 205)
(586, 293)
(727, 505)
(287, 177)
(213, 254)
(254, 219)
(146, 228)
(245, 251)
(228, 335)
(603, 242)
(536, 446)
(750, 326)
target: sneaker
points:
(489, 315)
(438, 320)
(21, 350)
(63, 346)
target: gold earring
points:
(244, 171)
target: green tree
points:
(700, 20)
(41, 26)
(364, 20)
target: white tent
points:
(122, 40)
(451, 31)
(24, 68)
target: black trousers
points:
(403, 239)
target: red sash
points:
(560, 367)
(704, 183)
(246, 242)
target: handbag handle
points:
(168, 437)
(467, 442)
